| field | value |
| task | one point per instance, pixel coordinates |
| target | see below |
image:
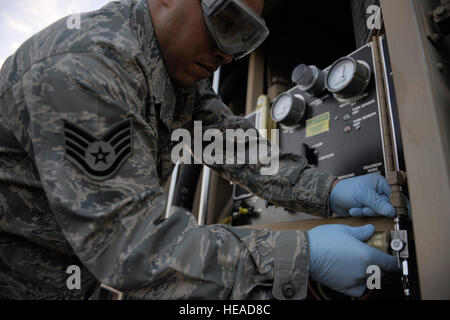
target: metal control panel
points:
(344, 121)
(340, 131)
(332, 117)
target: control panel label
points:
(317, 125)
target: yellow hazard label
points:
(317, 125)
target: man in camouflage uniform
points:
(85, 125)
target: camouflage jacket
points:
(85, 122)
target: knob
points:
(310, 79)
(311, 155)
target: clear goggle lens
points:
(236, 29)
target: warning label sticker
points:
(317, 125)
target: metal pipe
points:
(173, 182)
(203, 206)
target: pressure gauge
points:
(348, 78)
(288, 109)
(310, 79)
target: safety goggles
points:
(236, 29)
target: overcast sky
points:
(20, 19)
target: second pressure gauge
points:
(348, 78)
(288, 109)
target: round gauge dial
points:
(288, 109)
(282, 107)
(341, 74)
(348, 78)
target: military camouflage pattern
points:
(53, 214)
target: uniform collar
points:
(158, 80)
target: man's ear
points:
(166, 3)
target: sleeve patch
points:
(99, 158)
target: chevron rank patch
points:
(99, 158)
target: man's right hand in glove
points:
(339, 257)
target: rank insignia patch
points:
(98, 158)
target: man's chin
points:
(186, 83)
(189, 77)
(183, 84)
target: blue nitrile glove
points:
(339, 258)
(366, 195)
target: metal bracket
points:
(399, 243)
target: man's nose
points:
(223, 57)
